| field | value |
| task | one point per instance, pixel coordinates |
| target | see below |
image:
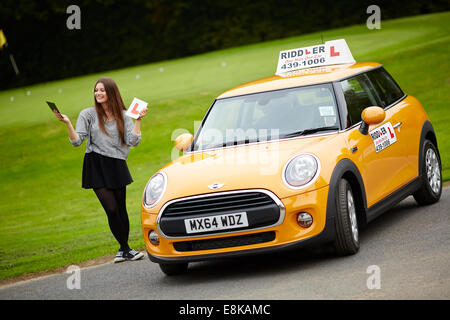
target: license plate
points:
(213, 223)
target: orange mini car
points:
(291, 160)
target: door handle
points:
(397, 125)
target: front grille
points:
(260, 208)
(228, 242)
(213, 204)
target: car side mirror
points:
(183, 141)
(371, 115)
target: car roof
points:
(302, 77)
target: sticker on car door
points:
(383, 136)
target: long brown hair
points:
(115, 104)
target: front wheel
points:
(173, 269)
(347, 234)
(431, 176)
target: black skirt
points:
(104, 172)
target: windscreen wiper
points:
(309, 131)
(237, 142)
(231, 143)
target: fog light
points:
(153, 237)
(304, 219)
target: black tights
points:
(114, 203)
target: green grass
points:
(48, 221)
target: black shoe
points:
(133, 255)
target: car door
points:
(394, 101)
(380, 155)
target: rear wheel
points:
(347, 233)
(173, 269)
(431, 189)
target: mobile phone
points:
(53, 106)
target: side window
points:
(358, 95)
(388, 91)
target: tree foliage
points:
(117, 34)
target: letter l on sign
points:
(134, 110)
(333, 53)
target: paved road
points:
(409, 244)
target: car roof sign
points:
(330, 53)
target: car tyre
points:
(173, 269)
(347, 233)
(431, 176)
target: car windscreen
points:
(268, 115)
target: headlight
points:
(301, 170)
(154, 190)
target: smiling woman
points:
(109, 133)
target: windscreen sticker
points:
(326, 111)
(383, 136)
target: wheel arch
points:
(346, 169)
(427, 133)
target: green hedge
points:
(116, 34)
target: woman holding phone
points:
(109, 133)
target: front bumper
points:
(285, 235)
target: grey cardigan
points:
(96, 141)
